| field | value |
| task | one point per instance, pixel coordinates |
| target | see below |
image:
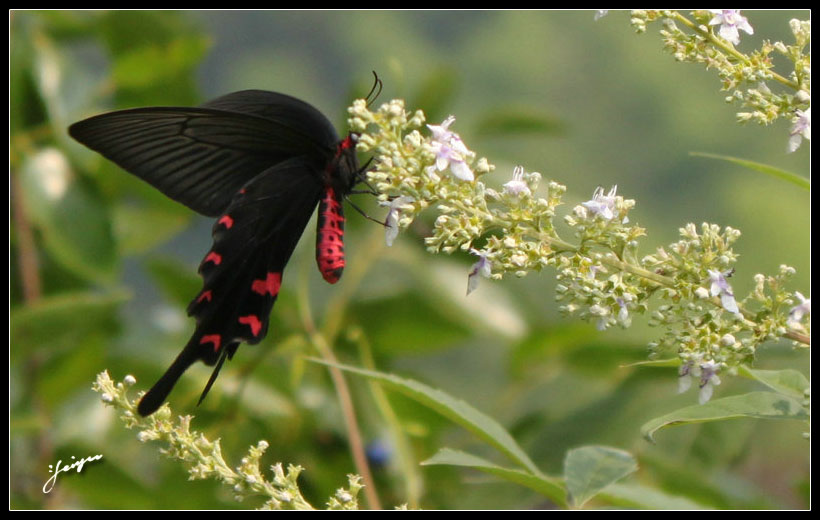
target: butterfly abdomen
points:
(330, 250)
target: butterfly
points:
(259, 162)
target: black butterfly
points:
(260, 162)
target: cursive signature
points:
(78, 464)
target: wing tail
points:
(152, 400)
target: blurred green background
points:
(102, 266)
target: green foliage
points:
(102, 267)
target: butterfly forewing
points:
(201, 156)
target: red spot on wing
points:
(206, 295)
(270, 285)
(216, 339)
(214, 257)
(253, 322)
(226, 221)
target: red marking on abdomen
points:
(214, 257)
(270, 285)
(226, 221)
(216, 339)
(206, 295)
(253, 322)
(330, 254)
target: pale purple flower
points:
(798, 311)
(517, 186)
(708, 380)
(719, 286)
(603, 313)
(800, 129)
(730, 21)
(450, 150)
(442, 132)
(603, 205)
(623, 314)
(706, 373)
(391, 222)
(481, 268)
(684, 377)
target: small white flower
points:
(730, 21)
(484, 267)
(721, 287)
(391, 222)
(519, 260)
(600, 13)
(708, 380)
(800, 129)
(727, 340)
(145, 436)
(603, 205)
(517, 186)
(702, 293)
(129, 380)
(798, 311)
(450, 151)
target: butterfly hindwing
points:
(242, 273)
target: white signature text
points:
(78, 464)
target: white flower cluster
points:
(204, 457)
(601, 277)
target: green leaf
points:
(760, 405)
(141, 229)
(589, 469)
(399, 316)
(637, 496)
(772, 171)
(550, 487)
(176, 280)
(456, 410)
(151, 64)
(435, 93)
(519, 121)
(71, 215)
(788, 382)
(55, 322)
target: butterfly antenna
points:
(362, 212)
(377, 88)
